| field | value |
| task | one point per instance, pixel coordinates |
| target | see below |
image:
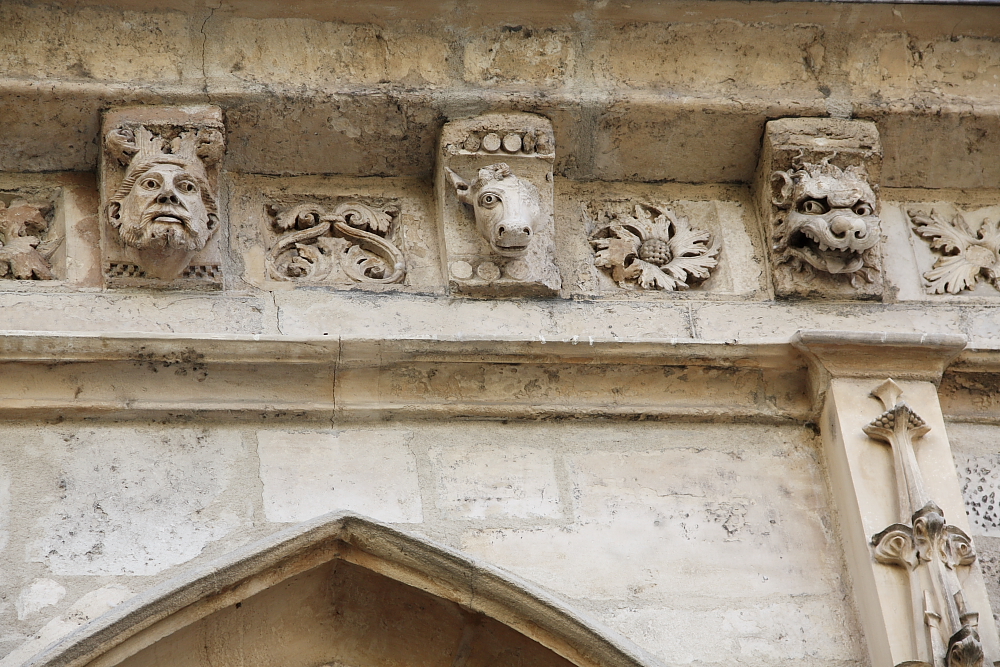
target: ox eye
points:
(187, 186)
(862, 208)
(150, 184)
(813, 206)
(489, 200)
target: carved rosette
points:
(27, 241)
(653, 249)
(928, 547)
(964, 255)
(318, 244)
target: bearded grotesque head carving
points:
(506, 207)
(827, 220)
(164, 210)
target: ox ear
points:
(785, 192)
(460, 184)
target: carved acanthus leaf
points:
(23, 253)
(965, 256)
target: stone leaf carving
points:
(827, 221)
(653, 249)
(496, 199)
(317, 243)
(25, 245)
(816, 192)
(929, 548)
(160, 196)
(965, 256)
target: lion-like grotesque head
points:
(828, 220)
(507, 207)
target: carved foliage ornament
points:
(827, 220)
(927, 547)
(965, 256)
(25, 246)
(317, 242)
(653, 249)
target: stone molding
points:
(321, 377)
(405, 557)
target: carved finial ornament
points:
(927, 546)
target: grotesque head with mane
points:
(827, 221)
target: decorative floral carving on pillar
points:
(927, 547)
(653, 249)
(26, 246)
(964, 256)
(317, 243)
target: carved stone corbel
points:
(816, 191)
(159, 177)
(495, 198)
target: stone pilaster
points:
(918, 587)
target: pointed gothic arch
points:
(430, 587)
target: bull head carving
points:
(507, 208)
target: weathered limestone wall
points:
(596, 442)
(656, 530)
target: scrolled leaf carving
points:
(25, 243)
(317, 242)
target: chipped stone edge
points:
(433, 567)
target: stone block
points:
(129, 501)
(372, 472)
(485, 483)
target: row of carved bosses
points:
(160, 221)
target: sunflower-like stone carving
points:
(965, 256)
(653, 249)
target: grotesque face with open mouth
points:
(165, 208)
(829, 220)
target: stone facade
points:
(372, 333)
